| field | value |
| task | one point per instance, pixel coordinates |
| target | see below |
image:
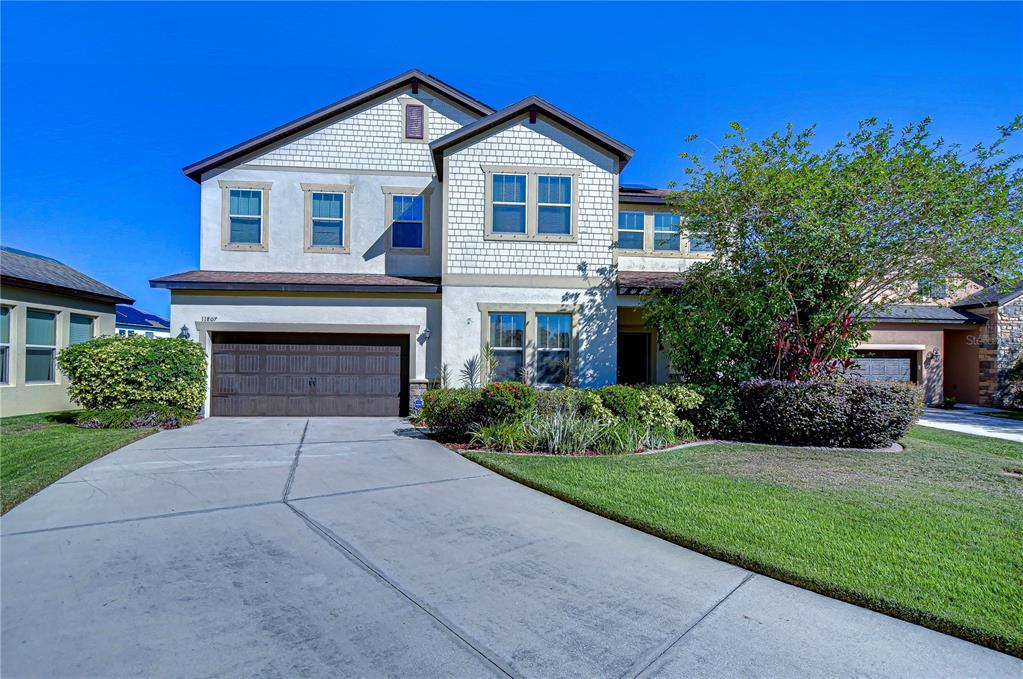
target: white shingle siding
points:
(529, 145)
(370, 140)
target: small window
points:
(666, 233)
(328, 220)
(507, 335)
(5, 345)
(40, 345)
(630, 230)
(699, 244)
(554, 205)
(149, 333)
(415, 122)
(407, 224)
(81, 329)
(553, 347)
(509, 198)
(932, 288)
(245, 214)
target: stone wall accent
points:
(988, 355)
(1010, 349)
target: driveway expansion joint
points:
(294, 465)
(414, 484)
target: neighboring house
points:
(353, 255)
(45, 305)
(132, 321)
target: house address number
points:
(209, 319)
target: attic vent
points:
(415, 121)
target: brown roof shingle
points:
(296, 282)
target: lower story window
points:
(553, 347)
(81, 329)
(507, 340)
(40, 345)
(5, 345)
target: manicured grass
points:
(1007, 414)
(933, 535)
(36, 450)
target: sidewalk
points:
(968, 419)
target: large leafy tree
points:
(807, 242)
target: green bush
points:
(503, 401)
(656, 411)
(502, 436)
(624, 402)
(451, 413)
(124, 370)
(854, 413)
(567, 400)
(138, 416)
(717, 416)
(684, 398)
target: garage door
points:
(896, 366)
(309, 374)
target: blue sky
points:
(103, 104)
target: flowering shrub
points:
(657, 412)
(119, 371)
(502, 401)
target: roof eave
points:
(424, 288)
(63, 290)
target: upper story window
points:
(5, 345)
(554, 205)
(81, 329)
(666, 233)
(930, 288)
(630, 230)
(700, 245)
(40, 345)
(407, 223)
(553, 348)
(509, 203)
(413, 120)
(327, 210)
(507, 340)
(245, 215)
(531, 203)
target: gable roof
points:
(29, 270)
(196, 170)
(527, 105)
(630, 193)
(990, 296)
(129, 315)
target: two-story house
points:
(352, 255)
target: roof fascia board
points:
(60, 289)
(294, 287)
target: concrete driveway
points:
(353, 547)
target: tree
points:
(808, 243)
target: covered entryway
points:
(309, 374)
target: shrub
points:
(855, 413)
(124, 370)
(568, 401)
(622, 401)
(502, 401)
(717, 416)
(140, 415)
(561, 434)
(593, 407)
(503, 436)
(451, 413)
(684, 398)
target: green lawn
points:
(36, 450)
(933, 534)
(1007, 414)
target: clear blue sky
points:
(103, 104)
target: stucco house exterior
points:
(45, 305)
(354, 255)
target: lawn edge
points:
(896, 610)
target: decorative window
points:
(407, 222)
(554, 205)
(245, 216)
(5, 345)
(81, 329)
(666, 233)
(328, 226)
(931, 288)
(413, 120)
(327, 217)
(553, 348)
(40, 345)
(507, 340)
(509, 204)
(630, 230)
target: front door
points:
(633, 358)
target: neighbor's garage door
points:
(896, 366)
(309, 374)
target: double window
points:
(245, 215)
(530, 341)
(5, 345)
(40, 345)
(658, 233)
(531, 203)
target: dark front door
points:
(309, 374)
(633, 358)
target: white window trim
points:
(532, 175)
(264, 217)
(51, 347)
(346, 218)
(405, 103)
(389, 193)
(529, 356)
(649, 235)
(682, 241)
(641, 230)
(7, 345)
